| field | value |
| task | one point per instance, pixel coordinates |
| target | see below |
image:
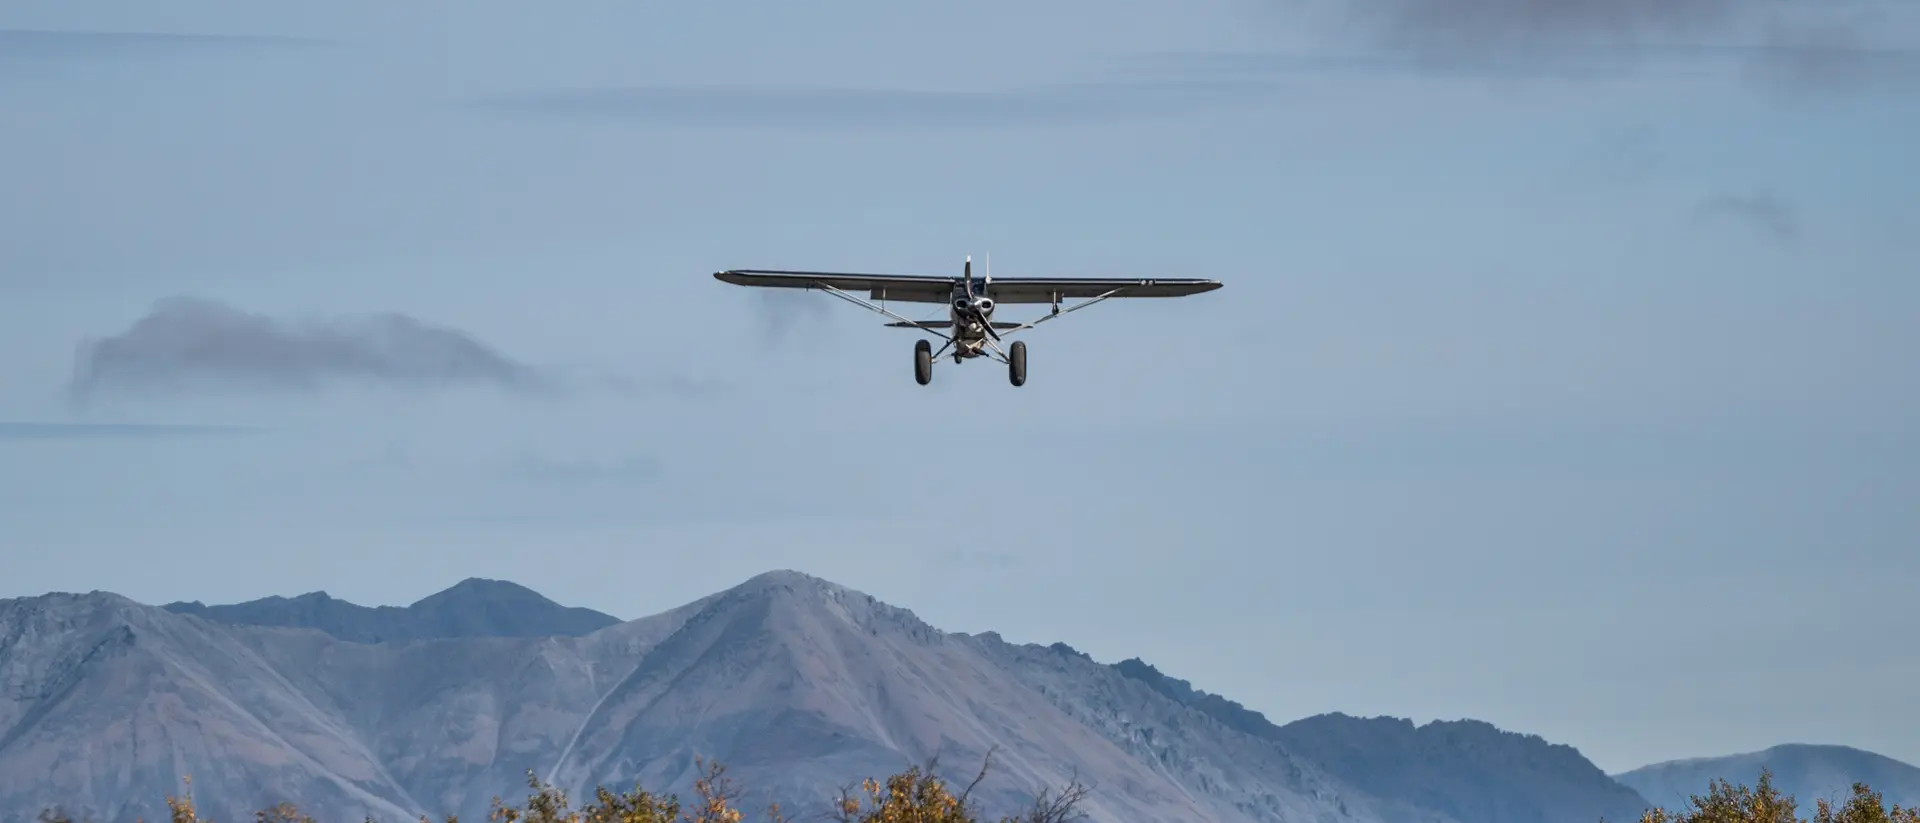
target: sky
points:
(1562, 376)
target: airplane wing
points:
(927, 288)
(911, 288)
(1050, 289)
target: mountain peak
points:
(481, 589)
(791, 580)
(790, 599)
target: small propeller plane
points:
(970, 330)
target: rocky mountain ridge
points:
(475, 607)
(799, 684)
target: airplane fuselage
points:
(970, 310)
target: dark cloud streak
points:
(187, 343)
(1762, 211)
(783, 313)
(114, 431)
(759, 107)
(54, 44)
(1471, 27)
(1779, 47)
(620, 471)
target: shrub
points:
(912, 796)
(1727, 803)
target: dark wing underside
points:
(912, 288)
(1049, 289)
(927, 288)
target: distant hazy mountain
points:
(1807, 772)
(1464, 770)
(801, 686)
(471, 608)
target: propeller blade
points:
(986, 325)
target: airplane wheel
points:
(1017, 370)
(922, 362)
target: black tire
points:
(1017, 368)
(922, 362)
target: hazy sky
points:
(1564, 376)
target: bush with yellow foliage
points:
(912, 796)
(1727, 803)
(918, 796)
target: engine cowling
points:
(980, 306)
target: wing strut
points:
(1057, 311)
(869, 305)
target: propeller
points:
(972, 311)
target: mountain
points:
(471, 608)
(1804, 771)
(1463, 770)
(800, 685)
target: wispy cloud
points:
(1460, 28)
(976, 558)
(1762, 211)
(868, 108)
(611, 470)
(114, 431)
(71, 44)
(191, 343)
(781, 313)
(1780, 47)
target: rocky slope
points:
(1462, 770)
(798, 684)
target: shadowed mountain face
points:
(1464, 770)
(471, 608)
(1804, 771)
(799, 685)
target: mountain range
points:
(799, 685)
(1804, 771)
(471, 608)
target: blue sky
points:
(1563, 377)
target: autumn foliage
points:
(918, 796)
(1727, 803)
(912, 796)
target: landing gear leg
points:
(922, 362)
(1017, 363)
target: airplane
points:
(970, 329)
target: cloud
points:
(1762, 211)
(867, 108)
(113, 431)
(781, 312)
(1828, 56)
(189, 343)
(1469, 27)
(54, 44)
(976, 559)
(617, 471)
(1779, 46)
